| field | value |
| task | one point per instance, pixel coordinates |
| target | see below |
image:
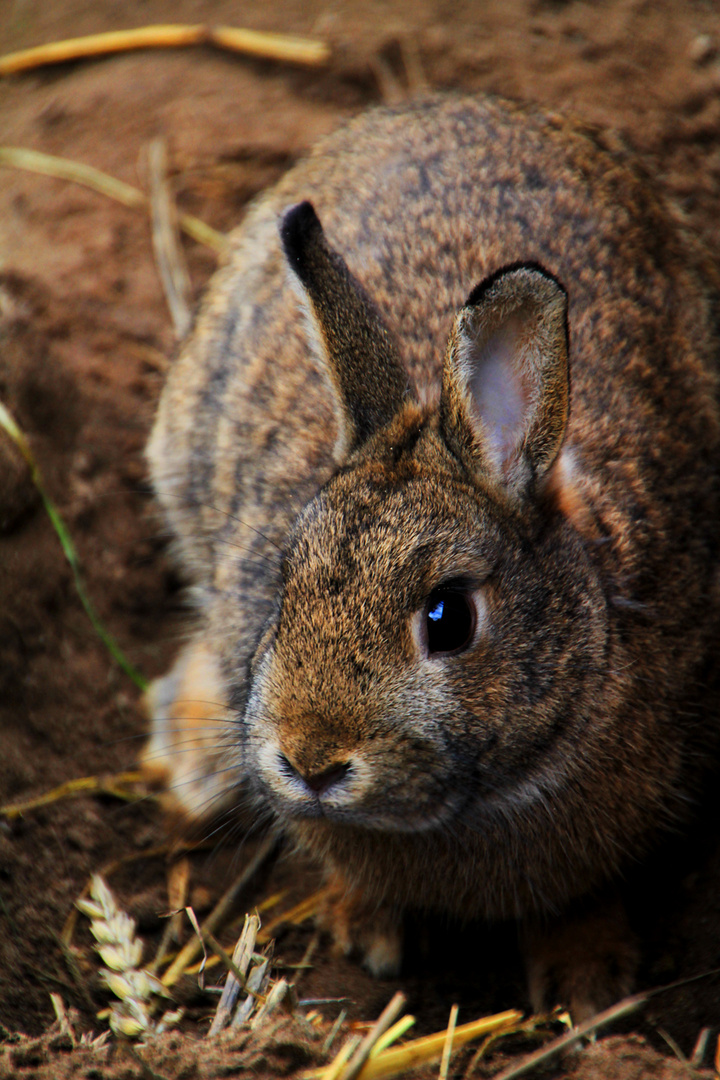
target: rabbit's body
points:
(532, 763)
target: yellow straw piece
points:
(338, 1063)
(285, 47)
(387, 1018)
(106, 785)
(18, 157)
(398, 1059)
(392, 1035)
(295, 915)
(448, 1047)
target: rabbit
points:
(440, 460)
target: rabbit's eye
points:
(450, 621)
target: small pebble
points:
(702, 48)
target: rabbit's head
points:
(441, 634)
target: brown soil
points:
(85, 336)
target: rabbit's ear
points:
(504, 400)
(362, 359)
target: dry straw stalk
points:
(398, 1060)
(287, 48)
(19, 157)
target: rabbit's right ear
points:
(369, 378)
(504, 400)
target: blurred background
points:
(86, 335)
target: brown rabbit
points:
(457, 607)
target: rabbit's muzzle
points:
(369, 784)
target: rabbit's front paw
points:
(371, 931)
(586, 961)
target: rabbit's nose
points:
(319, 782)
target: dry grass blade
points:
(672, 1044)
(256, 985)
(539, 1057)
(302, 911)
(700, 1048)
(237, 967)
(392, 1035)
(412, 62)
(534, 1025)
(60, 52)
(285, 47)
(288, 48)
(119, 786)
(400, 1059)
(280, 991)
(386, 1019)
(212, 961)
(187, 954)
(391, 90)
(307, 957)
(61, 1016)
(18, 157)
(447, 1048)
(166, 241)
(332, 1034)
(196, 927)
(178, 883)
(338, 1063)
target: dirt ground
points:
(85, 337)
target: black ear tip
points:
(526, 269)
(300, 225)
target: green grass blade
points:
(8, 423)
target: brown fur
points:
(324, 471)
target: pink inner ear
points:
(501, 395)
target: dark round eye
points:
(450, 621)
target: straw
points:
(284, 47)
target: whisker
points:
(217, 729)
(222, 705)
(185, 753)
(201, 774)
(196, 503)
(147, 491)
(166, 534)
(168, 537)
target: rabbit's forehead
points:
(400, 533)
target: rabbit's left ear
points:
(362, 360)
(504, 400)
